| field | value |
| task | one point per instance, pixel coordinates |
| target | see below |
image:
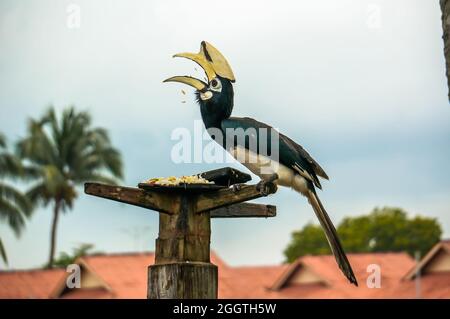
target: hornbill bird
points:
(293, 167)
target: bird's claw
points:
(265, 187)
(236, 188)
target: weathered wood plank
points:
(244, 210)
(162, 202)
(191, 280)
(154, 201)
(224, 197)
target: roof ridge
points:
(358, 254)
(28, 270)
(260, 266)
(119, 254)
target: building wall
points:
(440, 263)
(305, 276)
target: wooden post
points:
(182, 268)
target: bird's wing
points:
(290, 153)
(315, 166)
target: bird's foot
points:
(236, 187)
(267, 187)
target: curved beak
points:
(211, 61)
(189, 80)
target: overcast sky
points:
(360, 84)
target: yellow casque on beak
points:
(211, 61)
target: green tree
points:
(66, 259)
(383, 230)
(389, 229)
(14, 206)
(63, 153)
(310, 240)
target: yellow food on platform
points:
(174, 181)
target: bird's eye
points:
(215, 85)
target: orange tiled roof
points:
(125, 276)
(256, 282)
(434, 285)
(25, 284)
(248, 282)
(392, 267)
(124, 273)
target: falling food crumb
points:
(195, 69)
(182, 91)
(183, 101)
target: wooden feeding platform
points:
(182, 268)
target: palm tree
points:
(14, 206)
(63, 153)
(83, 249)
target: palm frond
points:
(13, 215)
(10, 165)
(37, 147)
(38, 194)
(114, 163)
(17, 198)
(101, 134)
(2, 140)
(108, 159)
(31, 172)
(3, 252)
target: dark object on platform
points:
(226, 176)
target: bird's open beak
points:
(211, 61)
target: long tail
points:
(332, 237)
